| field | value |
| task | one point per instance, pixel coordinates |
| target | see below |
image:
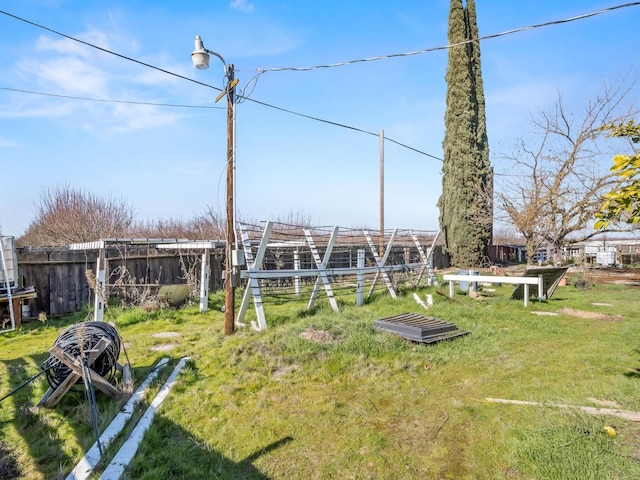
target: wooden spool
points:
(54, 395)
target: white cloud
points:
(242, 5)
(125, 118)
(64, 67)
(71, 75)
(63, 46)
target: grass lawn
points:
(353, 402)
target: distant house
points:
(604, 252)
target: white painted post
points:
(100, 291)
(296, 266)
(253, 265)
(526, 295)
(204, 281)
(360, 279)
(451, 289)
(7, 285)
(380, 263)
(541, 293)
(432, 280)
(321, 267)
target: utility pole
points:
(381, 192)
(229, 287)
(200, 59)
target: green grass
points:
(366, 404)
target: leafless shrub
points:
(69, 215)
(189, 266)
(207, 226)
(128, 290)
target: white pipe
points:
(130, 446)
(7, 285)
(87, 464)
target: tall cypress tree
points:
(465, 205)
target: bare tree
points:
(70, 215)
(559, 180)
(209, 225)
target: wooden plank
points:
(626, 414)
(491, 279)
(53, 396)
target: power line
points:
(108, 51)
(446, 47)
(384, 57)
(185, 78)
(344, 126)
(89, 99)
(260, 71)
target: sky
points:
(165, 152)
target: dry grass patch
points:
(590, 315)
(317, 336)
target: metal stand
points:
(75, 364)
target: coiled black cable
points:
(77, 341)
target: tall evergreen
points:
(465, 204)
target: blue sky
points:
(169, 162)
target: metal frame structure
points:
(320, 267)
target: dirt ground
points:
(621, 276)
(594, 275)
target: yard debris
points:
(426, 304)
(418, 328)
(475, 295)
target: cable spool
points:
(76, 341)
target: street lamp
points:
(200, 58)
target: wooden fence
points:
(59, 274)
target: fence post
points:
(100, 290)
(360, 279)
(296, 266)
(204, 281)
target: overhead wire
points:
(72, 97)
(448, 46)
(254, 80)
(106, 50)
(103, 100)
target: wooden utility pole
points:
(229, 288)
(381, 192)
